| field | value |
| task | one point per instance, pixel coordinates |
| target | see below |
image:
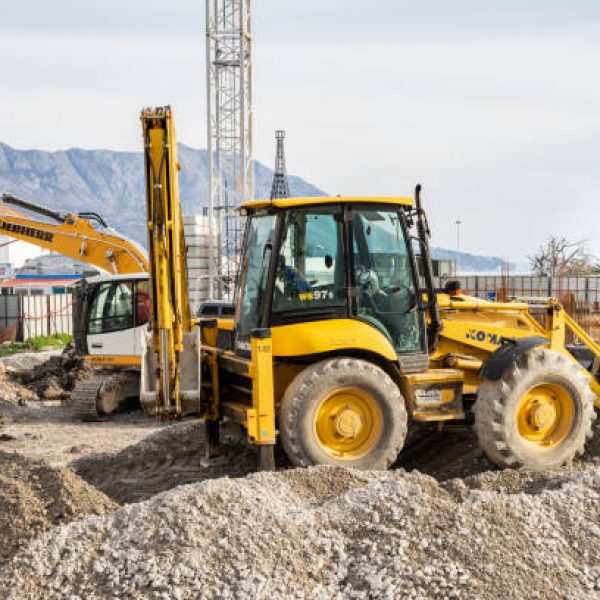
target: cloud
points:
(493, 106)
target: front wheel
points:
(343, 411)
(539, 414)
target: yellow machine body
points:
(76, 236)
(253, 368)
(472, 330)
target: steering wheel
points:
(397, 297)
(366, 277)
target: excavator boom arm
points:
(75, 237)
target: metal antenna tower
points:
(229, 130)
(281, 185)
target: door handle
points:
(97, 345)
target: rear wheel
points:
(343, 411)
(538, 415)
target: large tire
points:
(345, 412)
(538, 415)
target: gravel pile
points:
(326, 532)
(35, 497)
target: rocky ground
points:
(162, 523)
(330, 533)
(36, 419)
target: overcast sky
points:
(493, 105)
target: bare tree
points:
(560, 257)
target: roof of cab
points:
(117, 277)
(311, 201)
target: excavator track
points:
(85, 397)
(103, 393)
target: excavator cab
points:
(111, 317)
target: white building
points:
(14, 253)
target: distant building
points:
(47, 274)
(15, 252)
(55, 264)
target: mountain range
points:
(111, 184)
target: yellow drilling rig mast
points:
(171, 321)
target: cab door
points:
(111, 327)
(259, 240)
(385, 278)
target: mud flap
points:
(509, 351)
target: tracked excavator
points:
(110, 312)
(338, 341)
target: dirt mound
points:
(54, 378)
(326, 532)
(161, 461)
(35, 497)
(50, 375)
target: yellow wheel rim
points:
(546, 414)
(348, 423)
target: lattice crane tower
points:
(229, 129)
(281, 186)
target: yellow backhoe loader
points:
(338, 341)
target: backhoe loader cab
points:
(305, 262)
(332, 327)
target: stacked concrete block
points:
(195, 229)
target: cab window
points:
(258, 245)
(142, 302)
(309, 272)
(112, 307)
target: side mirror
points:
(328, 261)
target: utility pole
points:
(229, 134)
(281, 185)
(458, 224)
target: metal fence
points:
(26, 316)
(579, 295)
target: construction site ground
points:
(126, 508)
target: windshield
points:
(112, 308)
(384, 278)
(258, 247)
